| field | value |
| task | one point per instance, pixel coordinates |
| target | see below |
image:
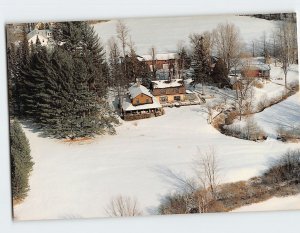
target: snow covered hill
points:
(78, 181)
(274, 204)
(165, 33)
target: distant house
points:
(161, 61)
(45, 37)
(252, 68)
(140, 103)
(168, 91)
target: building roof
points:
(137, 89)
(127, 105)
(38, 32)
(254, 63)
(159, 56)
(167, 83)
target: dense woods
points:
(62, 90)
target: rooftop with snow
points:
(167, 83)
(159, 57)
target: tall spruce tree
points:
(220, 74)
(21, 161)
(200, 62)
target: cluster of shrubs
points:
(281, 179)
(250, 131)
(288, 134)
(285, 170)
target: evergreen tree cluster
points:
(21, 161)
(63, 90)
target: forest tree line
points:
(64, 90)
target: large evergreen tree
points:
(200, 61)
(220, 74)
(21, 161)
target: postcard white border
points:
(35, 10)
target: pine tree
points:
(200, 62)
(21, 161)
(34, 76)
(220, 74)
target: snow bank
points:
(273, 204)
(285, 114)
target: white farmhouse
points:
(45, 37)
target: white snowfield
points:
(273, 204)
(78, 181)
(165, 33)
(70, 180)
(285, 114)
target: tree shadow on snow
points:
(34, 128)
(178, 180)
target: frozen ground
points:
(285, 114)
(165, 33)
(78, 181)
(273, 204)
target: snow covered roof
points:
(255, 63)
(167, 83)
(45, 33)
(159, 56)
(137, 89)
(127, 105)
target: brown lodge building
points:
(168, 91)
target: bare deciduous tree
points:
(207, 170)
(228, 43)
(208, 175)
(122, 206)
(115, 70)
(153, 62)
(123, 34)
(287, 46)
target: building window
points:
(163, 99)
(137, 102)
(147, 101)
(177, 98)
(165, 66)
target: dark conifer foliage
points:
(200, 62)
(220, 74)
(63, 89)
(21, 161)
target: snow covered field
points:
(274, 204)
(285, 114)
(78, 181)
(165, 33)
(71, 180)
